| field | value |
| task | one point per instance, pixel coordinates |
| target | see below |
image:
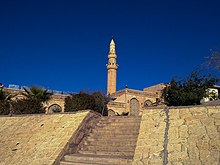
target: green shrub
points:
(100, 103)
(28, 106)
(81, 101)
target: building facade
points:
(55, 104)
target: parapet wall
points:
(40, 139)
(183, 136)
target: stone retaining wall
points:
(39, 139)
(193, 136)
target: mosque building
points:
(128, 100)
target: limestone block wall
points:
(38, 139)
(194, 136)
(150, 144)
(118, 107)
(179, 136)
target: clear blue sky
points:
(63, 44)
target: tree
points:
(33, 101)
(214, 60)
(82, 101)
(37, 93)
(5, 102)
(101, 103)
(28, 106)
(188, 91)
(5, 96)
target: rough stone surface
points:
(36, 139)
(193, 136)
(150, 144)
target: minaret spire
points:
(112, 47)
(112, 67)
(112, 42)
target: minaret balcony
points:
(112, 66)
(112, 55)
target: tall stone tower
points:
(112, 67)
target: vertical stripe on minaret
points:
(112, 67)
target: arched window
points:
(148, 103)
(111, 112)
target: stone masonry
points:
(167, 136)
(193, 136)
(36, 139)
(150, 144)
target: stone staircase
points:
(111, 142)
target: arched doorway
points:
(134, 107)
(54, 108)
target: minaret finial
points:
(112, 41)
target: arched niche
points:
(54, 108)
(148, 103)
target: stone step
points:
(128, 120)
(98, 159)
(107, 135)
(113, 136)
(112, 143)
(114, 132)
(121, 118)
(117, 126)
(107, 148)
(82, 163)
(119, 122)
(114, 153)
(112, 128)
(114, 139)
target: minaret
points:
(112, 67)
